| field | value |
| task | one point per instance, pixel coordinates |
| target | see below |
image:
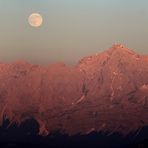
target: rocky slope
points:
(104, 92)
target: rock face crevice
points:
(104, 92)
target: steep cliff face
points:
(104, 92)
(114, 73)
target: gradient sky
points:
(71, 29)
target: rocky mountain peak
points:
(120, 49)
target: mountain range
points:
(105, 92)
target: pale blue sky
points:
(71, 29)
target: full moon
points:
(35, 20)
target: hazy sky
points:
(71, 29)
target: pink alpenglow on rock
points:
(104, 92)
